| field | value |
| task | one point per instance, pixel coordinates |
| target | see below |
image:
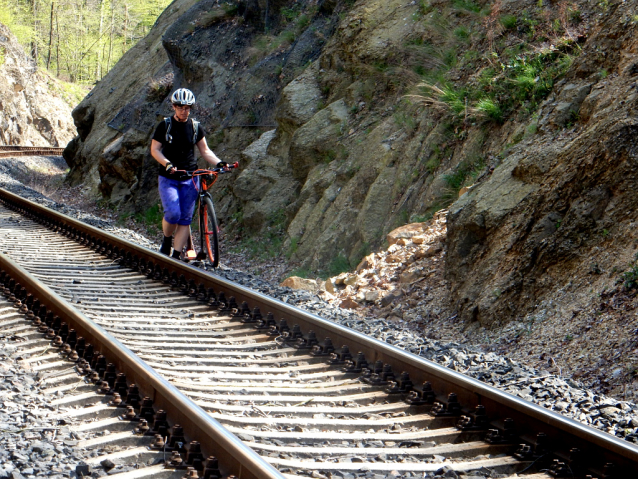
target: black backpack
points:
(169, 138)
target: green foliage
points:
(490, 109)
(630, 277)
(338, 265)
(465, 173)
(152, 216)
(88, 37)
(462, 33)
(508, 21)
(158, 90)
(2, 53)
(468, 5)
(290, 14)
(268, 243)
(301, 272)
(294, 246)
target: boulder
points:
(315, 141)
(295, 282)
(403, 232)
(300, 101)
(349, 303)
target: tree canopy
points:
(79, 40)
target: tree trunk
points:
(50, 35)
(108, 62)
(98, 62)
(34, 43)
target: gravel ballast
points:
(22, 404)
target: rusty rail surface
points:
(592, 450)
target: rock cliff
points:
(32, 111)
(555, 225)
(534, 103)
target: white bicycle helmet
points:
(183, 96)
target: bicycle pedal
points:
(190, 255)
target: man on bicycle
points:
(173, 147)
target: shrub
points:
(488, 108)
(509, 21)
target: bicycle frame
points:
(208, 229)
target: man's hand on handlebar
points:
(170, 169)
(222, 164)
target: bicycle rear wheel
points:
(208, 233)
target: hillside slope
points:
(32, 111)
(531, 103)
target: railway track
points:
(10, 151)
(212, 353)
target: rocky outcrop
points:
(556, 221)
(32, 111)
(209, 47)
(333, 155)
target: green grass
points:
(467, 5)
(489, 108)
(508, 21)
(630, 278)
(269, 242)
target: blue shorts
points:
(178, 199)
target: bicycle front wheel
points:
(208, 232)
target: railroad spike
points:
(221, 301)
(280, 329)
(176, 460)
(452, 408)
(253, 317)
(116, 400)
(158, 443)
(192, 288)
(133, 397)
(382, 378)
(130, 414)
(355, 365)
(146, 410)
(160, 424)
(244, 313)
(142, 428)
(191, 473)
(211, 468)
(212, 298)
(559, 469)
(340, 357)
(177, 439)
(292, 334)
(103, 387)
(266, 323)
(402, 385)
(377, 367)
(240, 311)
(194, 456)
(307, 343)
(424, 396)
(201, 292)
(507, 435)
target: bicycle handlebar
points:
(214, 171)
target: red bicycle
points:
(207, 231)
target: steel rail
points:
(238, 458)
(562, 433)
(9, 151)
